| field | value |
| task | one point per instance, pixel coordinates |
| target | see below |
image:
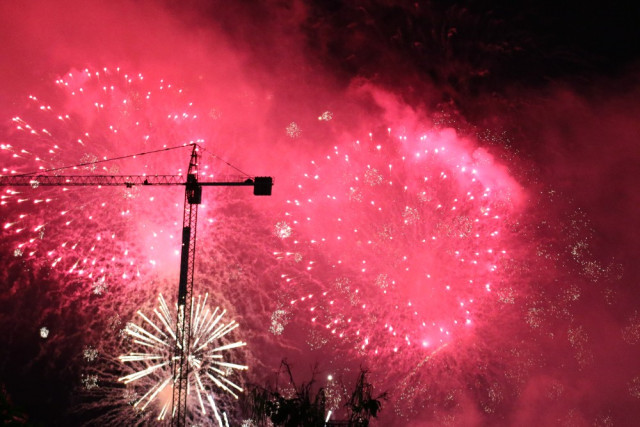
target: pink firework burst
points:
(404, 237)
(90, 117)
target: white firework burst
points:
(208, 356)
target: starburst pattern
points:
(210, 370)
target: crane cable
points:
(105, 160)
(224, 161)
(135, 155)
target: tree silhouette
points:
(295, 406)
(299, 407)
(362, 405)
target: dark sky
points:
(550, 88)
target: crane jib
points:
(261, 184)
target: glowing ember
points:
(293, 130)
(90, 381)
(90, 354)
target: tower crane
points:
(193, 196)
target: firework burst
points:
(107, 241)
(210, 368)
(402, 240)
(89, 118)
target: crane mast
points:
(180, 366)
(262, 186)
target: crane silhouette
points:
(262, 186)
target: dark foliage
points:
(293, 405)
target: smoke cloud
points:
(546, 112)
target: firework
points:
(101, 236)
(208, 357)
(402, 240)
(110, 240)
(408, 249)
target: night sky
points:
(391, 128)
